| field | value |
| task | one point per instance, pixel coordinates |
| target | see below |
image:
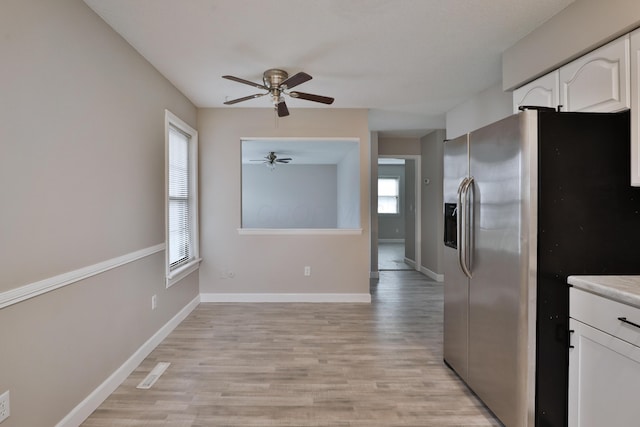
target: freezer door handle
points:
(465, 233)
(460, 221)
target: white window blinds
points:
(389, 195)
(180, 240)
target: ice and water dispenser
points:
(451, 225)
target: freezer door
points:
(498, 291)
(456, 284)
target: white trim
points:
(418, 199)
(391, 240)
(171, 120)
(25, 292)
(435, 276)
(275, 297)
(182, 272)
(299, 231)
(411, 263)
(82, 411)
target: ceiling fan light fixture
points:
(276, 84)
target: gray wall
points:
(274, 264)
(432, 219)
(410, 209)
(488, 106)
(398, 146)
(348, 173)
(373, 204)
(579, 28)
(281, 198)
(393, 226)
(82, 167)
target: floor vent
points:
(153, 375)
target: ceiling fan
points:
(271, 160)
(277, 83)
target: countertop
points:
(624, 289)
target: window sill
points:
(299, 231)
(182, 272)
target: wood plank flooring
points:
(391, 257)
(304, 365)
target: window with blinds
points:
(389, 195)
(179, 216)
(181, 196)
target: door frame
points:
(418, 208)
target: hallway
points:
(391, 257)
(297, 364)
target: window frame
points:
(398, 182)
(177, 273)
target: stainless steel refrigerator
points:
(528, 201)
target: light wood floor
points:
(304, 365)
(391, 257)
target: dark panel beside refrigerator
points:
(587, 214)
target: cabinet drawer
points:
(603, 314)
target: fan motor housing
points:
(274, 77)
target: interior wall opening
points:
(398, 227)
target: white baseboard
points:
(100, 394)
(275, 297)
(435, 276)
(410, 262)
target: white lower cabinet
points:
(604, 370)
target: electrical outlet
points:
(154, 302)
(307, 271)
(4, 406)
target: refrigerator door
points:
(456, 284)
(499, 296)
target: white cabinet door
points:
(542, 92)
(604, 379)
(635, 108)
(597, 81)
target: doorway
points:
(398, 243)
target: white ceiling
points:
(408, 61)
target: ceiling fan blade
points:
(247, 82)
(283, 111)
(246, 98)
(283, 160)
(296, 79)
(312, 97)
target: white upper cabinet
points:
(599, 80)
(542, 92)
(635, 108)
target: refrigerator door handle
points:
(469, 218)
(467, 226)
(460, 223)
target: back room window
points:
(389, 195)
